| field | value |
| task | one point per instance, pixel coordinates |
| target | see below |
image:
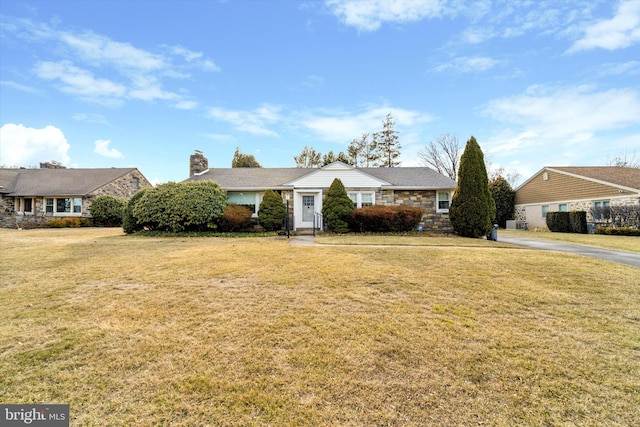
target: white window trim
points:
(55, 206)
(19, 205)
(359, 194)
(258, 200)
(438, 201)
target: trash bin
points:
(494, 233)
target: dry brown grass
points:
(255, 331)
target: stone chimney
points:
(197, 163)
(52, 165)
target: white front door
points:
(308, 212)
(307, 205)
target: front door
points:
(308, 208)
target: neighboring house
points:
(31, 197)
(555, 189)
(304, 189)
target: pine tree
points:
(356, 149)
(388, 144)
(241, 160)
(370, 154)
(472, 207)
(337, 207)
(503, 195)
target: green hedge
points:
(385, 219)
(567, 222)
(618, 231)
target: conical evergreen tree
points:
(272, 211)
(472, 207)
(337, 207)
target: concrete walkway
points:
(551, 245)
(547, 245)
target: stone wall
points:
(432, 221)
(125, 187)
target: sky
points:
(146, 83)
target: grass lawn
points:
(255, 331)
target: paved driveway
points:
(550, 245)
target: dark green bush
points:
(184, 206)
(567, 222)
(337, 208)
(69, 223)
(504, 196)
(618, 231)
(235, 218)
(272, 211)
(129, 222)
(108, 211)
(472, 208)
(385, 219)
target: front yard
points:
(256, 331)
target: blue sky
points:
(145, 83)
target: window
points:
(361, 200)
(545, 209)
(602, 210)
(135, 183)
(248, 200)
(24, 205)
(444, 200)
(63, 205)
(562, 207)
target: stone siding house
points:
(31, 197)
(589, 189)
(304, 189)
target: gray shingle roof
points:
(57, 182)
(275, 178)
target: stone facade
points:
(432, 221)
(124, 187)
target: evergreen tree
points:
(241, 160)
(272, 211)
(504, 197)
(370, 154)
(472, 207)
(337, 207)
(356, 149)
(388, 144)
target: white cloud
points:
(256, 122)
(81, 82)
(90, 118)
(342, 127)
(370, 14)
(468, 64)
(101, 147)
(544, 117)
(25, 146)
(18, 86)
(186, 105)
(619, 32)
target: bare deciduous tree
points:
(625, 161)
(443, 154)
(308, 158)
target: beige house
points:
(304, 189)
(555, 189)
(31, 197)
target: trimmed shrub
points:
(272, 211)
(108, 211)
(567, 222)
(129, 222)
(472, 208)
(578, 222)
(69, 223)
(235, 218)
(385, 219)
(618, 231)
(337, 208)
(184, 206)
